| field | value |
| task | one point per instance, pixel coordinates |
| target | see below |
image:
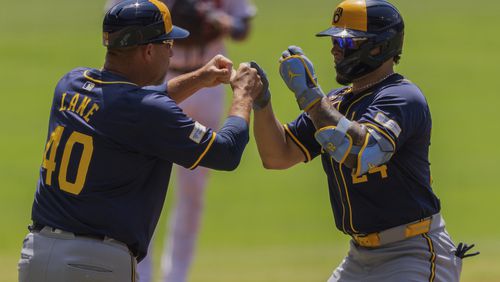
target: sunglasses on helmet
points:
(348, 43)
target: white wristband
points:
(343, 125)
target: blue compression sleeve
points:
(228, 146)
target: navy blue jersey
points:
(395, 193)
(109, 154)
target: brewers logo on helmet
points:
(358, 27)
(136, 22)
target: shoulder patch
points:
(388, 123)
(88, 86)
(198, 132)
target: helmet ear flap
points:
(393, 46)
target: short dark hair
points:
(397, 58)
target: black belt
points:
(37, 227)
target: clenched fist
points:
(246, 81)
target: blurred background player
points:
(209, 23)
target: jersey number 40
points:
(49, 159)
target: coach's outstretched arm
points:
(179, 139)
(231, 139)
(226, 146)
(218, 70)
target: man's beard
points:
(342, 80)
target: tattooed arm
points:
(324, 114)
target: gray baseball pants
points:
(53, 255)
(426, 257)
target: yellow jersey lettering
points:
(361, 179)
(62, 108)
(83, 105)
(373, 169)
(50, 163)
(381, 169)
(92, 110)
(83, 165)
(49, 159)
(73, 102)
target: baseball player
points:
(373, 138)
(111, 145)
(225, 19)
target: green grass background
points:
(274, 225)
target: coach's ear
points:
(146, 52)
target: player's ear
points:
(376, 51)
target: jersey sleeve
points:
(171, 135)
(301, 132)
(165, 131)
(397, 113)
(227, 149)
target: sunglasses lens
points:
(348, 43)
(338, 41)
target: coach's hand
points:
(298, 73)
(216, 71)
(265, 95)
(246, 82)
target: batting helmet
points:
(136, 22)
(376, 23)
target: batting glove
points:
(265, 96)
(298, 73)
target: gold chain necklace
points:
(373, 83)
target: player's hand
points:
(298, 73)
(216, 71)
(265, 95)
(246, 82)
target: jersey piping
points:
(340, 193)
(212, 139)
(87, 76)
(375, 127)
(301, 146)
(351, 223)
(433, 257)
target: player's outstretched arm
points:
(276, 150)
(216, 71)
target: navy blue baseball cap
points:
(138, 22)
